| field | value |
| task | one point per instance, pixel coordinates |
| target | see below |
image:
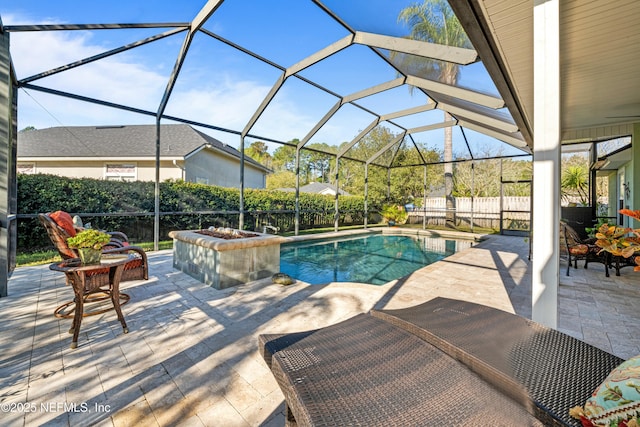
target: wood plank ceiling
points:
(600, 64)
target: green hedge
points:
(45, 193)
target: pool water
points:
(374, 259)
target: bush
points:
(183, 205)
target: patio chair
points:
(59, 228)
(579, 249)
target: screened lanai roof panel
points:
(220, 85)
(379, 137)
(373, 16)
(296, 29)
(223, 87)
(343, 126)
(387, 156)
(433, 141)
(129, 78)
(51, 50)
(425, 118)
(294, 111)
(393, 100)
(70, 112)
(407, 153)
(349, 71)
(115, 11)
(483, 146)
(473, 76)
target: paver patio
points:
(191, 356)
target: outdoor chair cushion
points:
(64, 220)
(579, 250)
(617, 398)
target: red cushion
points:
(65, 222)
(579, 250)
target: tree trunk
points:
(448, 175)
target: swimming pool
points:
(374, 259)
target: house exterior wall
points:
(634, 178)
(144, 170)
(205, 167)
(211, 168)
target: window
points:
(120, 171)
(27, 168)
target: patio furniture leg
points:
(115, 275)
(77, 319)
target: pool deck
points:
(191, 356)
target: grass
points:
(466, 229)
(47, 257)
(329, 229)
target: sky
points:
(218, 84)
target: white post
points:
(546, 162)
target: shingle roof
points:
(319, 187)
(316, 188)
(177, 141)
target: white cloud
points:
(139, 82)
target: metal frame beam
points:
(440, 52)
(456, 92)
(510, 139)
(447, 124)
(461, 114)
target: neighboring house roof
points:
(177, 141)
(318, 188)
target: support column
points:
(424, 198)
(8, 190)
(473, 192)
(297, 220)
(634, 178)
(241, 207)
(546, 162)
(366, 194)
(337, 207)
(388, 184)
(156, 191)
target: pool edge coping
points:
(461, 235)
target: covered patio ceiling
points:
(318, 71)
(599, 85)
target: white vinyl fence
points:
(483, 211)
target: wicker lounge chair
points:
(445, 362)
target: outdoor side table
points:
(79, 277)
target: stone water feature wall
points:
(226, 257)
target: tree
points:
(284, 158)
(319, 164)
(281, 179)
(258, 151)
(28, 128)
(433, 21)
(575, 182)
(406, 182)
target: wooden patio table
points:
(79, 277)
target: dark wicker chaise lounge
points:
(444, 362)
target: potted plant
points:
(621, 241)
(89, 244)
(394, 214)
